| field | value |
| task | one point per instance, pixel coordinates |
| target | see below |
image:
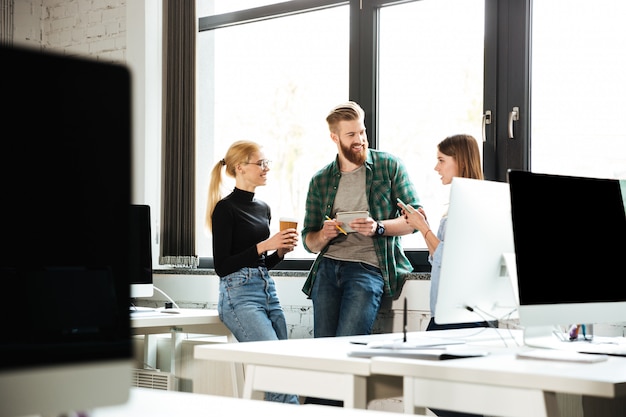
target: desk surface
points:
(156, 403)
(600, 379)
(326, 354)
(309, 367)
(500, 367)
(193, 320)
(184, 316)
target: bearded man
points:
(353, 271)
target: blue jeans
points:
(249, 306)
(346, 298)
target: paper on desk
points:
(430, 353)
(422, 343)
(561, 355)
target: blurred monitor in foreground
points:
(65, 180)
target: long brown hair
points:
(464, 149)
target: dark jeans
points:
(346, 299)
(434, 326)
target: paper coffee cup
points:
(288, 222)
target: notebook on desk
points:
(429, 353)
(414, 343)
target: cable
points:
(166, 296)
(481, 313)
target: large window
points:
(430, 86)
(270, 81)
(540, 82)
(578, 88)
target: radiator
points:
(144, 378)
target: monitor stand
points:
(545, 337)
(507, 284)
(549, 337)
(508, 269)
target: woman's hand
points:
(284, 242)
(416, 218)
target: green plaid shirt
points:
(386, 179)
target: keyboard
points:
(143, 311)
(615, 346)
(603, 348)
(430, 353)
(560, 355)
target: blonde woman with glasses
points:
(240, 225)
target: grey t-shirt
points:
(351, 197)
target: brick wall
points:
(94, 28)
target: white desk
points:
(198, 321)
(309, 367)
(497, 384)
(154, 403)
(500, 384)
(192, 320)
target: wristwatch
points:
(380, 229)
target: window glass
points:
(272, 82)
(578, 88)
(431, 87)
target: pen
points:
(404, 320)
(340, 229)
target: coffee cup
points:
(288, 223)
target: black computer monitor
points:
(570, 244)
(64, 264)
(141, 274)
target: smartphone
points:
(404, 206)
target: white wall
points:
(200, 289)
(144, 58)
(118, 31)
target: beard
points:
(357, 158)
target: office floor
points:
(570, 405)
(388, 404)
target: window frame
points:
(506, 81)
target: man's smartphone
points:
(404, 206)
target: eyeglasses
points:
(263, 163)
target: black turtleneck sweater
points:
(240, 222)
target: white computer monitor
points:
(64, 264)
(570, 242)
(477, 280)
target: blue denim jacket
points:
(435, 262)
